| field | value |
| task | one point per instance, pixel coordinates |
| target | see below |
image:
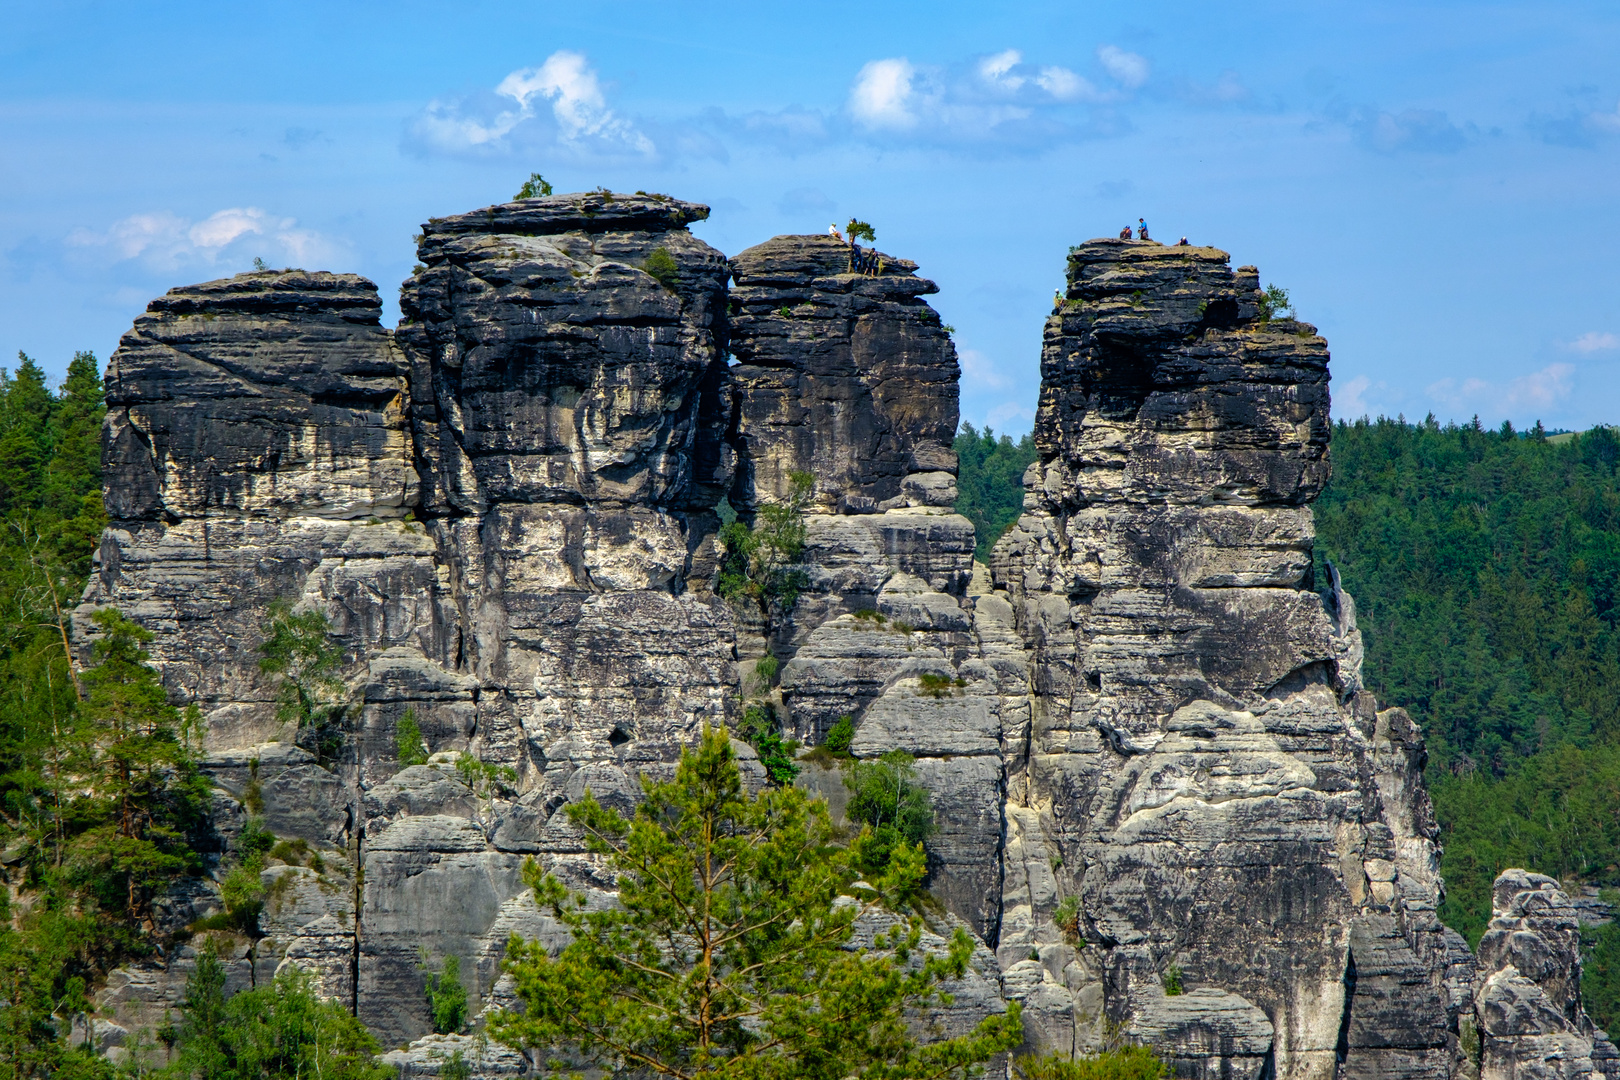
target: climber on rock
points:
(832, 231)
(1125, 233)
(1141, 229)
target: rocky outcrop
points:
(1527, 996)
(1201, 771)
(1146, 719)
(848, 376)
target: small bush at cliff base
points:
(727, 956)
(1128, 1063)
(447, 997)
(886, 796)
(283, 1031)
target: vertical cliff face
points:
(1145, 722)
(1202, 769)
(257, 449)
(849, 376)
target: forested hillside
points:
(990, 489)
(1485, 567)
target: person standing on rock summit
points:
(1141, 229)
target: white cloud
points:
(223, 226)
(881, 96)
(979, 370)
(580, 123)
(997, 70)
(1595, 341)
(166, 241)
(1350, 399)
(1607, 121)
(993, 99)
(1127, 68)
(1065, 85)
(1541, 390)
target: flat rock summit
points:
(508, 507)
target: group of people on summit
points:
(867, 262)
(1142, 233)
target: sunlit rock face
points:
(1163, 800)
(1201, 770)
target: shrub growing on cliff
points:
(1274, 303)
(761, 729)
(661, 265)
(886, 796)
(283, 1031)
(533, 188)
(728, 954)
(762, 563)
(298, 652)
(446, 996)
(409, 746)
(1126, 1063)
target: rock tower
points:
(1164, 802)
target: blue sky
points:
(1434, 183)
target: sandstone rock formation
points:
(1146, 718)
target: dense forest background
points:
(1486, 570)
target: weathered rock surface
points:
(1145, 714)
(1527, 996)
(844, 375)
(1199, 769)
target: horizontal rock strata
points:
(1145, 720)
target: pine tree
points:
(729, 952)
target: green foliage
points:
(661, 265)
(762, 563)
(933, 684)
(1600, 968)
(840, 735)
(761, 730)
(1067, 918)
(990, 483)
(1274, 303)
(533, 188)
(1172, 980)
(887, 797)
(141, 799)
(860, 230)
(1486, 572)
(456, 1067)
(409, 746)
(484, 777)
(283, 1031)
(726, 956)
(1126, 1063)
(447, 997)
(298, 652)
(764, 676)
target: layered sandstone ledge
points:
(508, 507)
